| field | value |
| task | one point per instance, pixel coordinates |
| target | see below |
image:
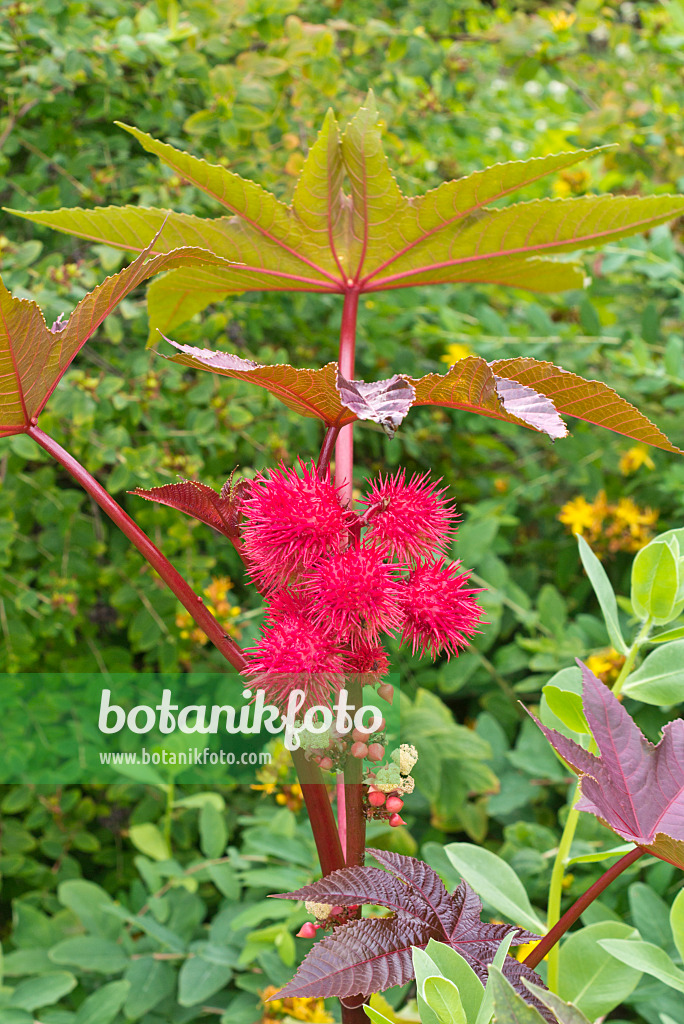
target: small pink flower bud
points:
(376, 799)
(360, 736)
(359, 750)
(376, 752)
(386, 692)
(396, 820)
(394, 803)
(307, 931)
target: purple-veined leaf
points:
(371, 955)
(373, 238)
(386, 402)
(220, 510)
(588, 400)
(33, 357)
(635, 787)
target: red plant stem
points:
(344, 451)
(173, 579)
(327, 449)
(580, 905)
(353, 795)
(320, 813)
(342, 813)
(353, 1015)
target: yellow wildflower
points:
(606, 664)
(454, 352)
(219, 606)
(578, 514)
(312, 1011)
(561, 21)
(634, 458)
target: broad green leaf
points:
(655, 582)
(565, 1012)
(90, 954)
(644, 956)
(379, 1004)
(103, 1005)
(146, 923)
(43, 990)
(213, 831)
(660, 677)
(149, 840)
(604, 592)
(200, 799)
(376, 1016)
(590, 401)
(509, 1007)
(88, 901)
(496, 882)
(33, 357)
(200, 978)
(670, 634)
(677, 922)
(589, 977)
(484, 1014)
(150, 981)
(443, 997)
(451, 964)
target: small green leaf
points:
(656, 582)
(659, 679)
(213, 831)
(199, 979)
(565, 1012)
(443, 997)
(677, 922)
(149, 840)
(90, 954)
(509, 1007)
(103, 1005)
(669, 634)
(595, 858)
(150, 981)
(604, 592)
(496, 882)
(44, 990)
(567, 705)
(451, 964)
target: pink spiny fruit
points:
(357, 592)
(292, 521)
(441, 613)
(413, 519)
(293, 653)
(368, 660)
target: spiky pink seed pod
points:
(292, 521)
(394, 803)
(359, 750)
(367, 660)
(357, 593)
(376, 752)
(294, 653)
(440, 610)
(396, 820)
(307, 931)
(413, 520)
(386, 692)
(376, 799)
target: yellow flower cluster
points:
(561, 21)
(610, 526)
(312, 1011)
(571, 183)
(219, 606)
(634, 458)
(455, 352)
(272, 779)
(606, 664)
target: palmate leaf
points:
(523, 391)
(33, 357)
(370, 237)
(635, 787)
(371, 955)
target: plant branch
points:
(344, 451)
(192, 602)
(355, 817)
(327, 449)
(320, 813)
(580, 905)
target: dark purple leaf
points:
(634, 787)
(222, 511)
(371, 955)
(386, 402)
(529, 406)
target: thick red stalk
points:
(320, 813)
(353, 795)
(173, 579)
(580, 905)
(327, 448)
(344, 450)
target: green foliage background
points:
(460, 84)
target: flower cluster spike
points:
(336, 581)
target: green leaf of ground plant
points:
(44, 990)
(644, 956)
(604, 592)
(443, 998)
(102, 1006)
(660, 677)
(589, 977)
(509, 1007)
(496, 882)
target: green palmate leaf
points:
(33, 357)
(587, 400)
(373, 238)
